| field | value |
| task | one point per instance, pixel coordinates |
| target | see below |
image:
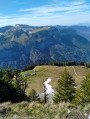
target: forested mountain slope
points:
(22, 45)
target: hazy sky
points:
(44, 12)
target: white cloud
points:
(79, 2)
(58, 7)
(48, 9)
(65, 13)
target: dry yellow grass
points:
(53, 72)
(35, 110)
(37, 30)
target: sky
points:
(44, 12)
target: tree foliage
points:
(82, 96)
(12, 86)
(33, 95)
(66, 88)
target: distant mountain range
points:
(22, 45)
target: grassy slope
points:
(34, 110)
(53, 72)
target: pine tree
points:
(8, 92)
(33, 95)
(66, 88)
(20, 84)
(9, 74)
(12, 86)
(82, 96)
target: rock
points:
(2, 110)
(89, 117)
(15, 116)
(1, 117)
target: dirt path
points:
(76, 73)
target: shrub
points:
(32, 95)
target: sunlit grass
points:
(53, 72)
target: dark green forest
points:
(12, 86)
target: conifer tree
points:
(20, 84)
(33, 95)
(8, 92)
(66, 88)
(82, 96)
(12, 86)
